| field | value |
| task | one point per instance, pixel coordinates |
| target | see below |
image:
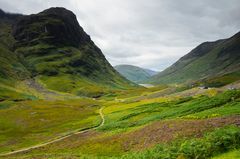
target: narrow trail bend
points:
(58, 139)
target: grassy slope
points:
(54, 70)
(209, 60)
(30, 122)
(139, 113)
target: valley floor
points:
(166, 122)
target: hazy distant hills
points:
(215, 63)
(53, 48)
(134, 73)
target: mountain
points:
(214, 63)
(134, 73)
(54, 50)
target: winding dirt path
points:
(102, 116)
(58, 139)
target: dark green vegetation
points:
(191, 108)
(215, 63)
(55, 83)
(134, 73)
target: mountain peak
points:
(59, 12)
(8, 16)
(54, 25)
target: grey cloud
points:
(152, 33)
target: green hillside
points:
(208, 61)
(52, 48)
(134, 73)
(11, 68)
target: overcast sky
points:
(147, 33)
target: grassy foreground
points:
(200, 126)
(28, 123)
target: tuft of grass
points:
(235, 154)
(11, 94)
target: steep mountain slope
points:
(11, 69)
(53, 48)
(208, 61)
(134, 73)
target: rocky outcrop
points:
(54, 26)
(8, 17)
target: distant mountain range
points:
(53, 49)
(134, 73)
(213, 63)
